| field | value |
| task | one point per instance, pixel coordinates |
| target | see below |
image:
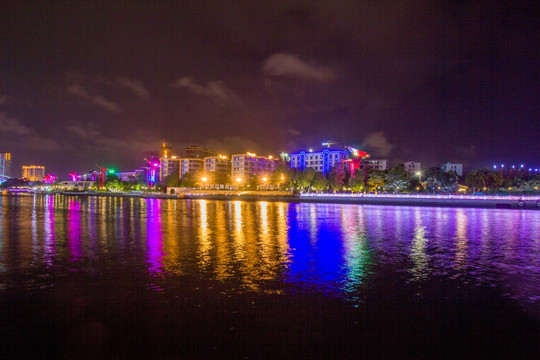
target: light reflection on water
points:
(336, 249)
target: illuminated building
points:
(217, 168)
(72, 185)
(322, 161)
(33, 172)
(457, 168)
(141, 174)
(169, 165)
(412, 167)
(128, 176)
(192, 166)
(197, 152)
(244, 166)
(5, 164)
(374, 164)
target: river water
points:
(107, 277)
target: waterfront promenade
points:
(448, 200)
(480, 201)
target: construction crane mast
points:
(154, 165)
(102, 175)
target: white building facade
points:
(412, 167)
(457, 168)
(169, 165)
(374, 164)
(217, 168)
(191, 165)
(245, 166)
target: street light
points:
(204, 179)
(419, 173)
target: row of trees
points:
(492, 181)
(394, 180)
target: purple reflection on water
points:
(48, 227)
(74, 230)
(154, 236)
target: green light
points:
(112, 171)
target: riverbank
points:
(469, 201)
(475, 201)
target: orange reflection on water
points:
(461, 241)
(223, 269)
(420, 269)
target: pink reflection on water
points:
(48, 229)
(74, 230)
(154, 236)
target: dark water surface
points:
(103, 277)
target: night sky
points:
(105, 82)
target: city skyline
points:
(86, 83)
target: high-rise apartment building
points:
(217, 169)
(33, 172)
(5, 164)
(169, 165)
(192, 166)
(245, 166)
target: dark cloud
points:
(235, 145)
(378, 144)
(214, 91)
(136, 87)
(12, 126)
(85, 96)
(289, 65)
(13, 132)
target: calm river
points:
(105, 277)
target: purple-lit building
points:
(322, 161)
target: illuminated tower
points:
(5, 164)
(165, 151)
